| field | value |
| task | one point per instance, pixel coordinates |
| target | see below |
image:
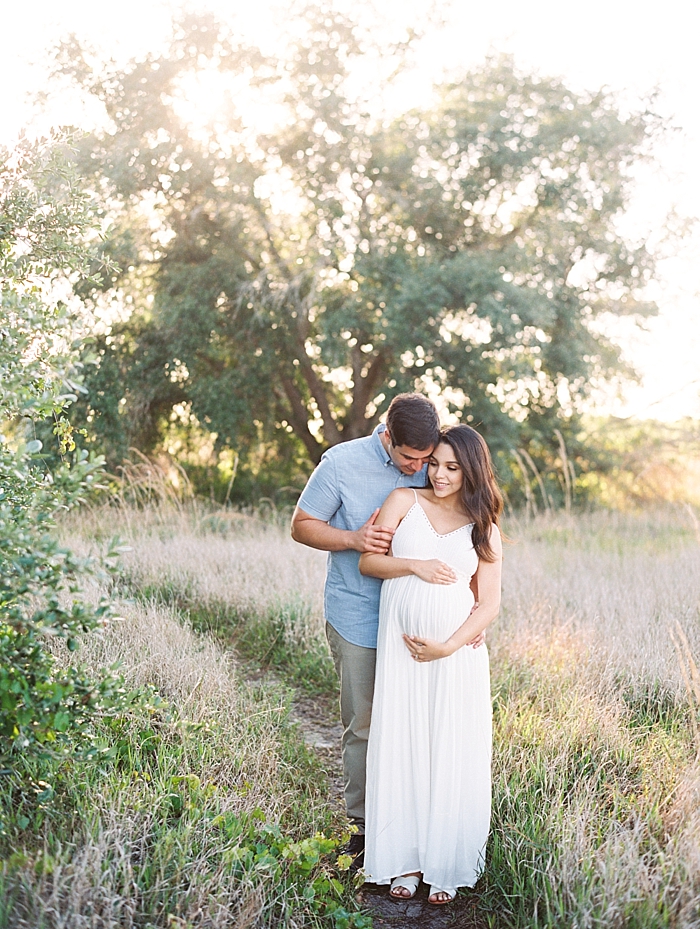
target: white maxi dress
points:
(429, 755)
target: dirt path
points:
(318, 720)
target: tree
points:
(292, 281)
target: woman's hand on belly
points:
(423, 649)
(433, 571)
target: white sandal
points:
(408, 882)
(451, 894)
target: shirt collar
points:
(379, 447)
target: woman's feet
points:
(404, 887)
(440, 897)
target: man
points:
(336, 513)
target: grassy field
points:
(202, 812)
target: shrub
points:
(45, 227)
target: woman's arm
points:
(395, 507)
(489, 586)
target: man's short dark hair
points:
(412, 421)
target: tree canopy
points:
(284, 277)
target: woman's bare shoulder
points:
(401, 498)
(395, 507)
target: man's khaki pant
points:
(355, 667)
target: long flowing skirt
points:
(429, 755)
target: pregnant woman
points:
(429, 755)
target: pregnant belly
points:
(431, 610)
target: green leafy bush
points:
(45, 228)
(40, 599)
(262, 849)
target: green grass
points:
(583, 789)
(199, 814)
(148, 839)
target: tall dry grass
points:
(150, 832)
(219, 560)
(595, 762)
(614, 584)
(596, 774)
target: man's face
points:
(409, 460)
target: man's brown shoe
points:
(356, 850)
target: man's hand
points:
(373, 539)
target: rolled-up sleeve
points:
(321, 497)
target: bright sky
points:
(631, 47)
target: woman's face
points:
(444, 472)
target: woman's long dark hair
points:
(481, 497)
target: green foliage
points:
(626, 463)
(470, 246)
(307, 865)
(181, 793)
(45, 220)
(40, 598)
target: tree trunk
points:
(358, 423)
(299, 417)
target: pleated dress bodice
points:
(432, 609)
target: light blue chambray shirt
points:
(351, 481)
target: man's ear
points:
(388, 435)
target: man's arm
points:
(318, 534)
